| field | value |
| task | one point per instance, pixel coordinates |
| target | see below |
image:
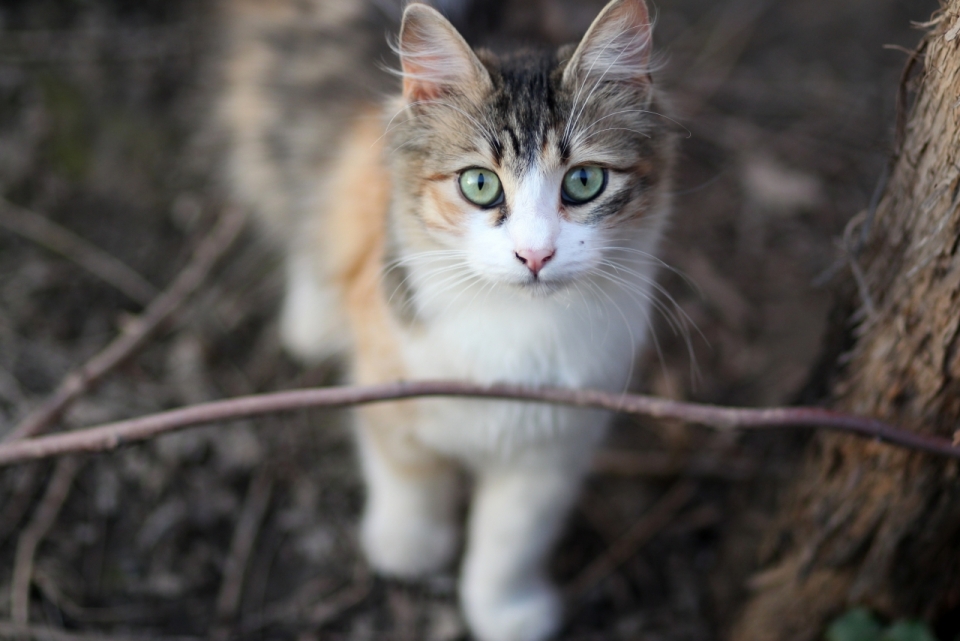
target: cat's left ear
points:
(435, 57)
(616, 48)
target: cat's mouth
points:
(539, 287)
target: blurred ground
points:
(104, 129)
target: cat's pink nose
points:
(534, 259)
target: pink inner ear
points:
(435, 58)
(433, 55)
(420, 80)
(639, 14)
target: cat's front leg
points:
(408, 528)
(516, 517)
(312, 326)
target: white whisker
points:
(597, 133)
(674, 314)
(642, 111)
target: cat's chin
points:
(538, 288)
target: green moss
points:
(860, 624)
(856, 625)
(908, 631)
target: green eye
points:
(481, 187)
(583, 183)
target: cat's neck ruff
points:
(586, 333)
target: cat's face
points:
(533, 168)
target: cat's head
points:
(533, 168)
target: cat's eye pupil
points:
(583, 177)
(481, 187)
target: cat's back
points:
(294, 74)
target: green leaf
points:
(856, 625)
(908, 631)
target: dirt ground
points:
(104, 129)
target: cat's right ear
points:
(616, 47)
(435, 58)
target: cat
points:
(497, 221)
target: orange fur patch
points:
(355, 233)
(357, 226)
(445, 215)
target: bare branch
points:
(652, 522)
(244, 536)
(651, 463)
(113, 435)
(315, 614)
(19, 500)
(10, 630)
(43, 519)
(52, 236)
(136, 335)
(330, 609)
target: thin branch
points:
(729, 467)
(244, 536)
(136, 335)
(31, 537)
(113, 435)
(652, 522)
(9, 630)
(19, 500)
(330, 609)
(297, 613)
(10, 388)
(52, 236)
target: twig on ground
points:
(602, 520)
(664, 464)
(50, 584)
(52, 236)
(652, 522)
(329, 610)
(241, 546)
(113, 435)
(700, 518)
(257, 579)
(324, 612)
(43, 519)
(9, 630)
(136, 335)
(10, 388)
(17, 504)
(609, 528)
(403, 614)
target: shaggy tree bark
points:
(866, 523)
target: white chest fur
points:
(583, 337)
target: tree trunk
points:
(866, 523)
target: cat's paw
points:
(533, 613)
(407, 547)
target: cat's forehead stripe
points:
(525, 106)
(496, 147)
